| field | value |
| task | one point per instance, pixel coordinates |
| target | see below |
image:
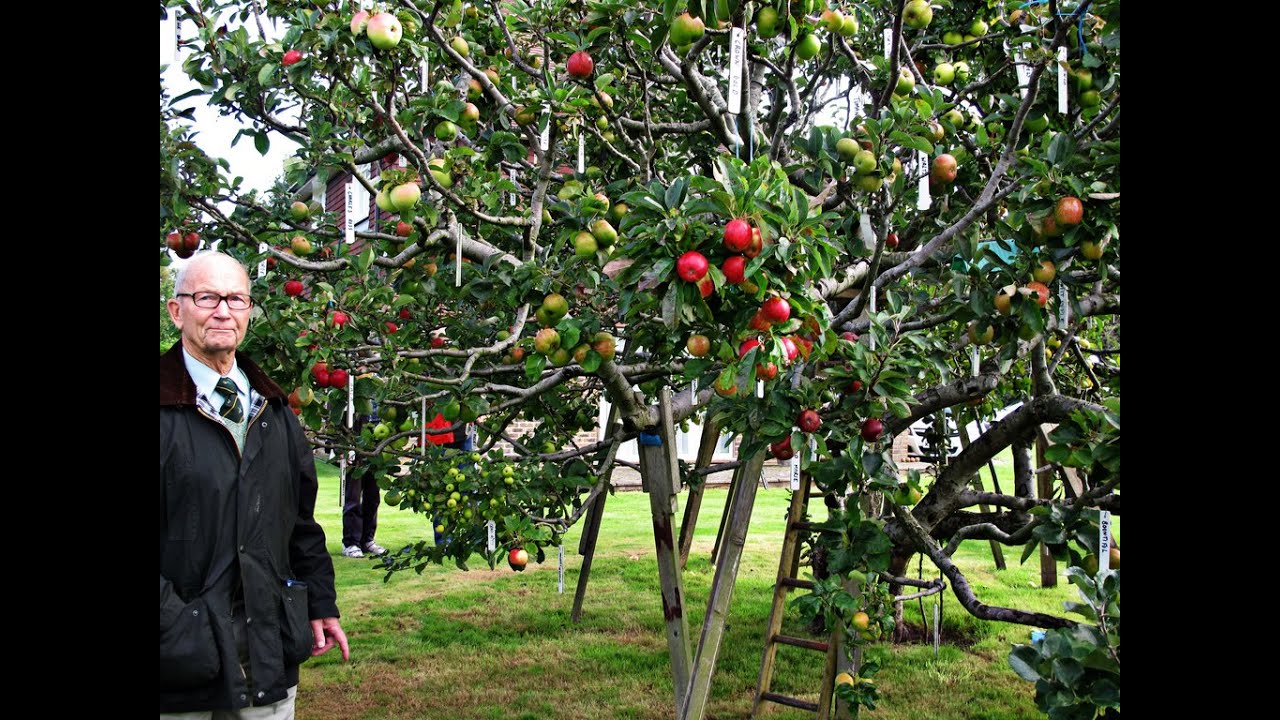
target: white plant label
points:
(1024, 72)
(351, 400)
(560, 583)
(795, 472)
(426, 72)
(422, 441)
(974, 360)
(582, 152)
(492, 542)
(1062, 80)
(262, 266)
(888, 41)
(760, 389)
(457, 259)
(865, 232)
(350, 212)
(1104, 540)
(693, 390)
(737, 50)
(545, 140)
(1063, 306)
(924, 201)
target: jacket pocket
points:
(188, 653)
(295, 625)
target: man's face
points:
(211, 331)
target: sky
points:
(216, 132)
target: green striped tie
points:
(231, 407)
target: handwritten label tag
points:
(1062, 80)
(492, 530)
(350, 212)
(560, 583)
(262, 266)
(1104, 540)
(737, 50)
(924, 200)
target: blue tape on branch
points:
(650, 439)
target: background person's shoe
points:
(375, 549)
(352, 551)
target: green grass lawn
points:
(500, 645)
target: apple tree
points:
(812, 223)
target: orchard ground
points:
(498, 644)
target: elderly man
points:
(246, 584)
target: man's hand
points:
(328, 632)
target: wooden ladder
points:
(788, 567)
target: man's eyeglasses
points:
(209, 301)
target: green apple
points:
(944, 74)
(951, 37)
(979, 27)
(808, 47)
(917, 14)
(906, 81)
(767, 22)
(864, 162)
(847, 148)
(962, 71)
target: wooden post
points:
(693, 504)
(656, 467)
(591, 528)
(699, 688)
(1044, 490)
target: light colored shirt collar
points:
(206, 379)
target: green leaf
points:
(912, 141)
(1024, 659)
(1105, 693)
(1068, 670)
(1062, 148)
(262, 142)
(533, 365)
(265, 73)
(671, 305)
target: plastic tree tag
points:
(693, 391)
(262, 266)
(1023, 70)
(760, 389)
(865, 233)
(545, 140)
(795, 472)
(582, 152)
(737, 49)
(492, 542)
(924, 201)
(351, 400)
(422, 429)
(457, 260)
(350, 212)
(1062, 79)
(1063, 309)
(560, 582)
(888, 41)
(426, 72)
(974, 360)
(1104, 540)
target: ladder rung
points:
(800, 642)
(802, 525)
(789, 701)
(797, 583)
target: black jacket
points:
(228, 522)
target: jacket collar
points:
(177, 388)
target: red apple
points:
(403, 229)
(737, 235)
(1040, 291)
(734, 269)
(291, 57)
(320, 373)
(404, 313)
(706, 286)
(1068, 211)
(809, 421)
(776, 310)
(338, 378)
(517, 559)
(293, 288)
(944, 169)
(891, 240)
(782, 449)
(872, 428)
(692, 266)
(580, 65)
(339, 318)
(391, 327)
(790, 346)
